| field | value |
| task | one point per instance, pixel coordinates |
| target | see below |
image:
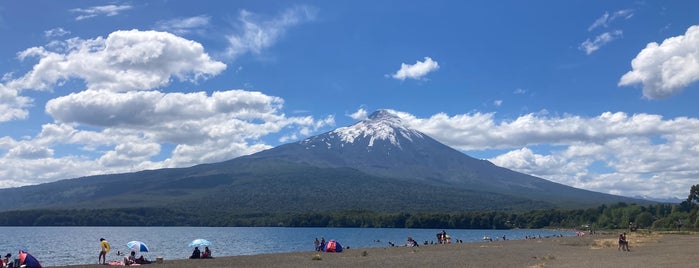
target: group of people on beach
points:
(319, 245)
(130, 259)
(197, 254)
(443, 238)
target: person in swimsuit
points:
(104, 249)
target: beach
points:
(647, 250)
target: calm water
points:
(54, 246)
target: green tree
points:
(693, 198)
(644, 219)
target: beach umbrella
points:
(27, 260)
(199, 242)
(137, 246)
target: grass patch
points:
(635, 239)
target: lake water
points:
(54, 246)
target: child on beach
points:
(104, 249)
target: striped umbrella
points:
(137, 246)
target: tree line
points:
(620, 215)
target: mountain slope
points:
(382, 145)
(376, 164)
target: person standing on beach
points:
(316, 244)
(104, 249)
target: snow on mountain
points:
(380, 125)
(671, 200)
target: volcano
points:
(377, 164)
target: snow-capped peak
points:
(380, 125)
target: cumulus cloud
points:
(125, 60)
(121, 121)
(360, 114)
(139, 109)
(182, 26)
(641, 149)
(12, 105)
(257, 34)
(666, 69)
(91, 12)
(126, 130)
(417, 70)
(590, 46)
(25, 150)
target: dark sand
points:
(656, 250)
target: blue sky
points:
(599, 95)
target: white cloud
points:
(360, 114)
(182, 26)
(123, 132)
(520, 91)
(24, 150)
(599, 41)
(12, 105)
(497, 103)
(666, 69)
(140, 109)
(121, 121)
(417, 70)
(56, 32)
(258, 34)
(108, 10)
(606, 19)
(125, 60)
(655, 155)
(601, 21)
(526, 161)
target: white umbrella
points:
(199, 242)
(137, 246)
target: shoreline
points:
(647, 250)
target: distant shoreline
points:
(647, 250)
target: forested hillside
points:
(621, 215)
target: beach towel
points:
(120, 263)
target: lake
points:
(54, 246)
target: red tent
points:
(333, 246)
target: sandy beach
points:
(647, 250)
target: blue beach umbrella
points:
(137, 246)
(199, 242)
